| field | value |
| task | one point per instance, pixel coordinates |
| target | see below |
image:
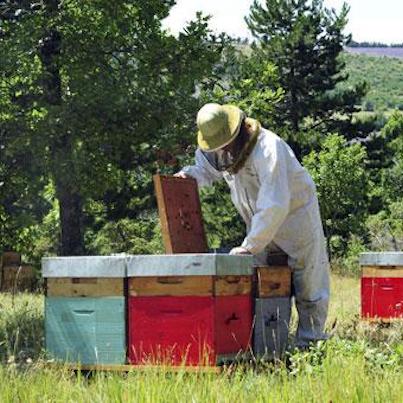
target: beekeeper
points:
(276, 198)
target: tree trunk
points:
(294, 100)
(67, 190)
(70, 207)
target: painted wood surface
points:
(171, 286)
(180, 214)
(382, 271)
(382, 297)
(381, 259)
(233, 324)
(273, 281)
(188, 330)
(84, 266)
(232, 285)
(190, 286)
(189, 264)
(272, 319)
(86, 330)
(85, 287)
(171, 330)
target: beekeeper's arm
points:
(204, 173)
(273, 199)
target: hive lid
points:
(84, 266)
(381, 259)
(189, 264)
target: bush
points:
(141, 236)
(386, 228)
(348, 264)
(338, 171)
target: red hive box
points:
(188, 310)
(382, 285)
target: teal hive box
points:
(85, 309)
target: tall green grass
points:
(21, 327)
(360, 363)
(338, 372)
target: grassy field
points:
(360, 363)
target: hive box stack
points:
(382, 285)
(14, 275)
(272, 310)
(85, 309)
(191, 309)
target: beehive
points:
(272, 311)
(382, 285)
(15, 276)
(85, 309)
(189, 309)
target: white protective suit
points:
(277, 199)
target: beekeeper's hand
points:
(182, 175)
(239, 250)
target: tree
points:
(338, 171)
(392, 175)
(304, 40)
(90, 92)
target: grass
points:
(361, 363)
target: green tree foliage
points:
(392, 178)
(304, 40)
(338, 170)
(248, 81)
(224, 226)
(385, 229)
(90, 94)
(251, 83)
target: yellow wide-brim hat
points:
(218, 125)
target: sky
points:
(369, 20)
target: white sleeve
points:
(273, 200)
(204, 173)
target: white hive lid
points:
(381, 259)
(189, 264)
(84, 266)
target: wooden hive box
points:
(381, 285)
(17, 278)
(85, 309)
(10, 259)
(272, 310)
(192, 309)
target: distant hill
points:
(381, 67)
(384, 76)
(354, 44)
(387, 51)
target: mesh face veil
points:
(225, 157)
